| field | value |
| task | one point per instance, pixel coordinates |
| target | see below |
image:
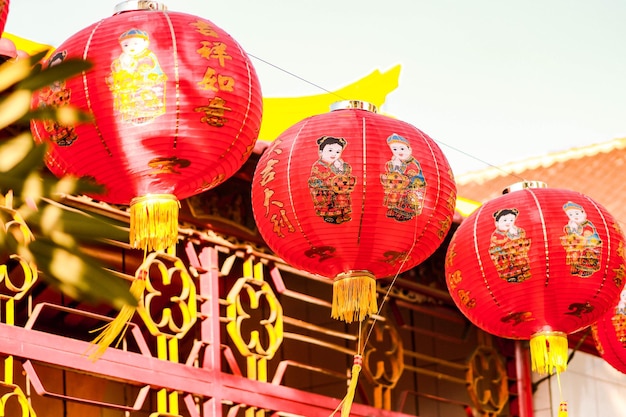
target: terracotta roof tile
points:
(596, 171)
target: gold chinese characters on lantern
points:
(354, 196)
(176, 108)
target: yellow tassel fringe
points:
(354, 296)
(548, 352)
(154, 222)
(117, 327)
(562, 409)
(354, 379)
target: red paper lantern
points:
(177, 110)
(4, 12)
(609, 335)
(536, 264)
(354, 196)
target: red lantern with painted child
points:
(609, 335)
(353, 195)
(537, 264)
(7, 47)
(176, 108)
(4, 11)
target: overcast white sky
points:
(492, 81)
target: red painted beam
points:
(141, 370)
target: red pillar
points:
(524, 380)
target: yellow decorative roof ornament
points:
(26, 46)
(283, 112)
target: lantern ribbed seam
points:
(248, 107)
(176, 80)
(289, 185)
(86, 90)
(364, 179)
(545, 234)
(608, 247)
(479, 259)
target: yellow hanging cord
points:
(116, 328)
(346, 402)
(562, 404)
(354, 378)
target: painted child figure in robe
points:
(331, 181)
(403, 181)
(137, 80)
(581, 242)
(509, 247)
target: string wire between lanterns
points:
(499, 168)
(343, 98)
(295, 76)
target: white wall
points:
(591, 387)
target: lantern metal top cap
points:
(522, 185)
(353, 104)
(131, 5)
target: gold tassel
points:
(563, 409)
(354, 378)
(354, 296)
(154, 222)
(117, 327)
(548, 352)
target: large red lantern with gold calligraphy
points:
(537, 264)
(609, 335)
(353, 195)
(176, 108)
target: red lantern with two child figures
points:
(537, 264)
(353, 195)
(176, 107)
(4, 12)
(609, 335)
